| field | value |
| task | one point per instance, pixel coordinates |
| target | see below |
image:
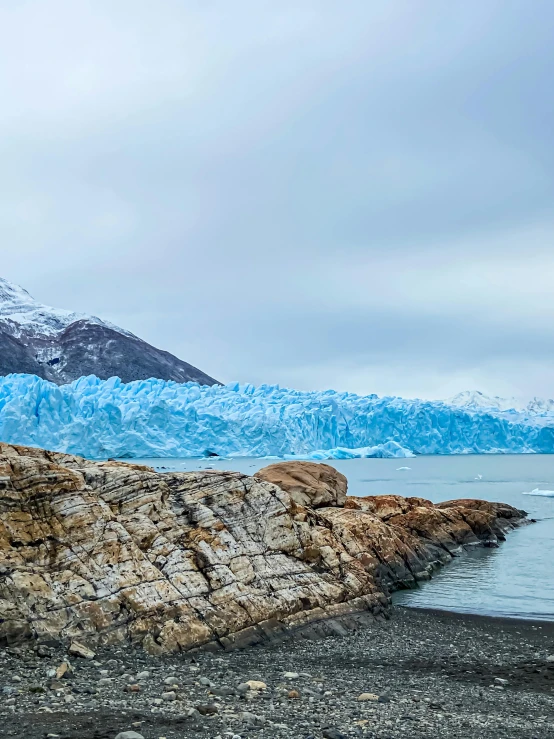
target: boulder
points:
(308, 483)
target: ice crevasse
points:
(153, 418)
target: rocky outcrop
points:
(107, 551)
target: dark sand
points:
(437, 674)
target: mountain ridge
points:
(61, 345)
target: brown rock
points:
(108, 551)
(308, 483)
(79, 650)
(62, 670)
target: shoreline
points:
(484, 619)
(494, 620)
(428, 674)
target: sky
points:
(356, 195)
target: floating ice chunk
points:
(479, 477)
(403, 468)
(543, 493)
(389, 450)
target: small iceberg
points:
(543, 493)
(479, 477)
(403, 468)
(388, 450)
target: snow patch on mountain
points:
(479, 401)
(29, 319)
(154, 418)
(476, 400)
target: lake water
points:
(515, 580)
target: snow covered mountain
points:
(61, 346)
(154, 418)
(475, 400)
(479, 401)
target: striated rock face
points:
(107, 551)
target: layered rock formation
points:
(107, 551)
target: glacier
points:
(154, 418)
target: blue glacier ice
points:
(152, 418)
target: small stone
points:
(105, 681)
(205, 681)
(171, 695)
(79, 650)
(252, 719)
(61, 670)
(256, 685)
(291, 675)
(134, 688)
(129, 735)
(332, 734)
(143, 675)
(550, 658)
(171, 680)
(223, 691)
(368, 697)
(192, 713)
(293, 694)
(243, 688)
(16, 679)
(500, 681)
(206, 710)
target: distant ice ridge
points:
(475, 400)
(542, 493)
(153, 418)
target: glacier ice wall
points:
(153, 418)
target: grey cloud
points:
(294, 192)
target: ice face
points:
(153, 418)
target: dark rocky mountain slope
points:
(61, 346)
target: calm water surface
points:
(517, 579)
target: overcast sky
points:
(315, 193)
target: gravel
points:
(421, 674)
